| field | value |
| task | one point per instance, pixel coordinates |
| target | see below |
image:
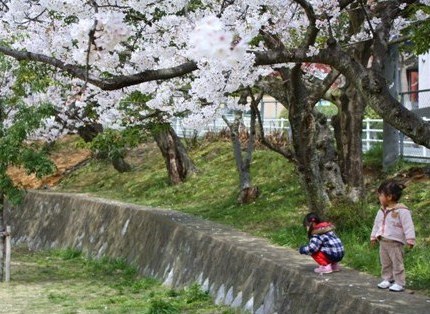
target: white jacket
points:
(394, 224)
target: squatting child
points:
(324, 246)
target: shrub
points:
(373, 157)
(160, 306)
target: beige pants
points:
(392, 267)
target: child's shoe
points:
(396, 288)
(384, 284)
(335, 267)
(324, 269)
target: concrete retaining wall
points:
(237, 269)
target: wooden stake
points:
(7, 255)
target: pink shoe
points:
(324, 269)
(335, 267)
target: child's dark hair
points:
(391, 188)
(309, 219)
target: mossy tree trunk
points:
(179, 165)
(304, 129)
(348, 125)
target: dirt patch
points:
(66, 160)
(414, 174)
(406, 176)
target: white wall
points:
(424, 71)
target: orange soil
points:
(64, 161)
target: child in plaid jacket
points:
(324, 246)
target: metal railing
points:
(418, 100)
(372, 134)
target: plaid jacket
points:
(324, 239)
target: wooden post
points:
(7, 255)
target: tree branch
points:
(286, 153)
(114, 83)
(312, 30)
(322, 87)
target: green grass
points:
(64, 281)
(277, 214)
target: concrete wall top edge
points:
(191, 248)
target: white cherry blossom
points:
(106, 39)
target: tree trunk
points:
(178, 163)
(314, 152)
(120, 165)
(304, 135)
(2, 242)
(348, 123)
(316, 160)
(347, 126)
(330, 170)
(88, 132)
(248, 193)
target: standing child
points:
(393, 228)
(324, 245)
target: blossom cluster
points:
(107, 30)
(111, 39)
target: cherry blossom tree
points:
(214, 48)
(17, 121)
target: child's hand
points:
(302, 249)
(410, 244)
(373, 242)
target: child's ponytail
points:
(310, 220)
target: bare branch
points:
(312, 30)
(363, 8)
(320, 89)
(287, 153)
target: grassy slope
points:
(277, 214)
